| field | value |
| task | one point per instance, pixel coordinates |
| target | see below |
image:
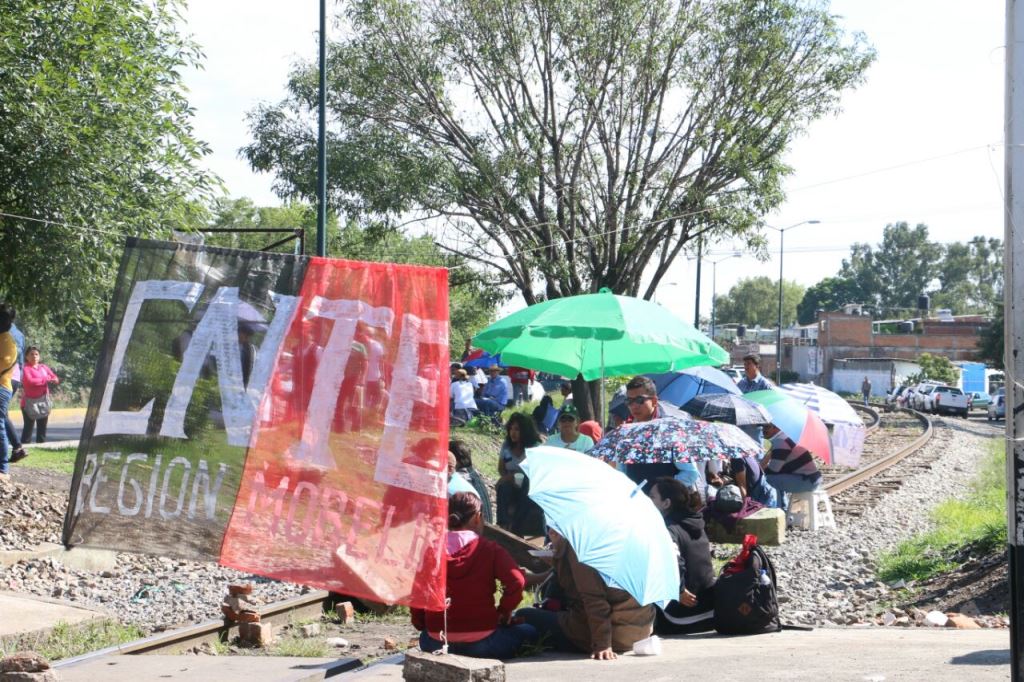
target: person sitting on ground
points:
(516, 511)
(494, 395)
(464, 468)
(461, 392)
(598, 619)
(568, 435)
(456, 482)
(475, 626)
(680, 505)
(789, 468)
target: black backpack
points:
(743, 605)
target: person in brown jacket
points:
(597, 619)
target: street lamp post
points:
(714, 287)
(778, 332)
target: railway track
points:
(885, 465)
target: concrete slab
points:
(26, 613)
(78, 558)
(840, 654)
(220, 668)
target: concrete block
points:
(421, 667)
(259, 634)
(769, 525)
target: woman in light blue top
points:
(569, 435)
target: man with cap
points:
(568, 435)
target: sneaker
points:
(18, 455)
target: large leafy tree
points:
(830, 293)
(971, 276)
(96, 142)
(755, 301)
(563, 145)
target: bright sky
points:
(920, 141)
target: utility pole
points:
(696, 304)
(321, 143)
(1013, 263)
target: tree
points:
(755, 301)
(935, 368)
(971, 277)
(992, 340)
(566, 146)
(892, 275)
(830, 293)
(96, 143)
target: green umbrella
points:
(598, 335)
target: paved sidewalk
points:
(26, 613)
(843, 654)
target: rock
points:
(337, 642)
(421, 667)
(24, 662)
(935, 619)
(390, 644)
(888, 618)
(310, 630)
(961, 622)
(345, 612)
(903, 621)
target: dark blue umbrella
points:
(679, 388)
(729, 408)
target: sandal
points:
(18, 455)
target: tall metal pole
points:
(714, 295)
(321, 143)
(1013, 263)
(778, 332)
(696, 304)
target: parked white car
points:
(997, 408)
(949, 400)
(922, 397)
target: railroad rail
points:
(177, 641)
(863, 474)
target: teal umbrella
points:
(599, 335)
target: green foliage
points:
(975, 525)
(95, 136)
(991, 349)
(964, 277)
(66, 641)
(564, 145)
(755, 302)
(935, 368)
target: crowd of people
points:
(21, 371)
(576, 610)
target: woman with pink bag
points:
(35, 395)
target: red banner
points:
(344, 486)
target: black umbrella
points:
(729, 408)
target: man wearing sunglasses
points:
(642, 401)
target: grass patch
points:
(66, 641)
(977, 524)
(59, 459)
(300, 647)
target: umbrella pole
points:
(604, 405)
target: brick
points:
(237, 589)
(258, 634)
(421, 667)
(239, 604)
(345, 611)
(24, 662)
(390, 644)
(961, 622)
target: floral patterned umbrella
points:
(662, 441)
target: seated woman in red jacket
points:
(475, 626)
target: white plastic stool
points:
(804, 511)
